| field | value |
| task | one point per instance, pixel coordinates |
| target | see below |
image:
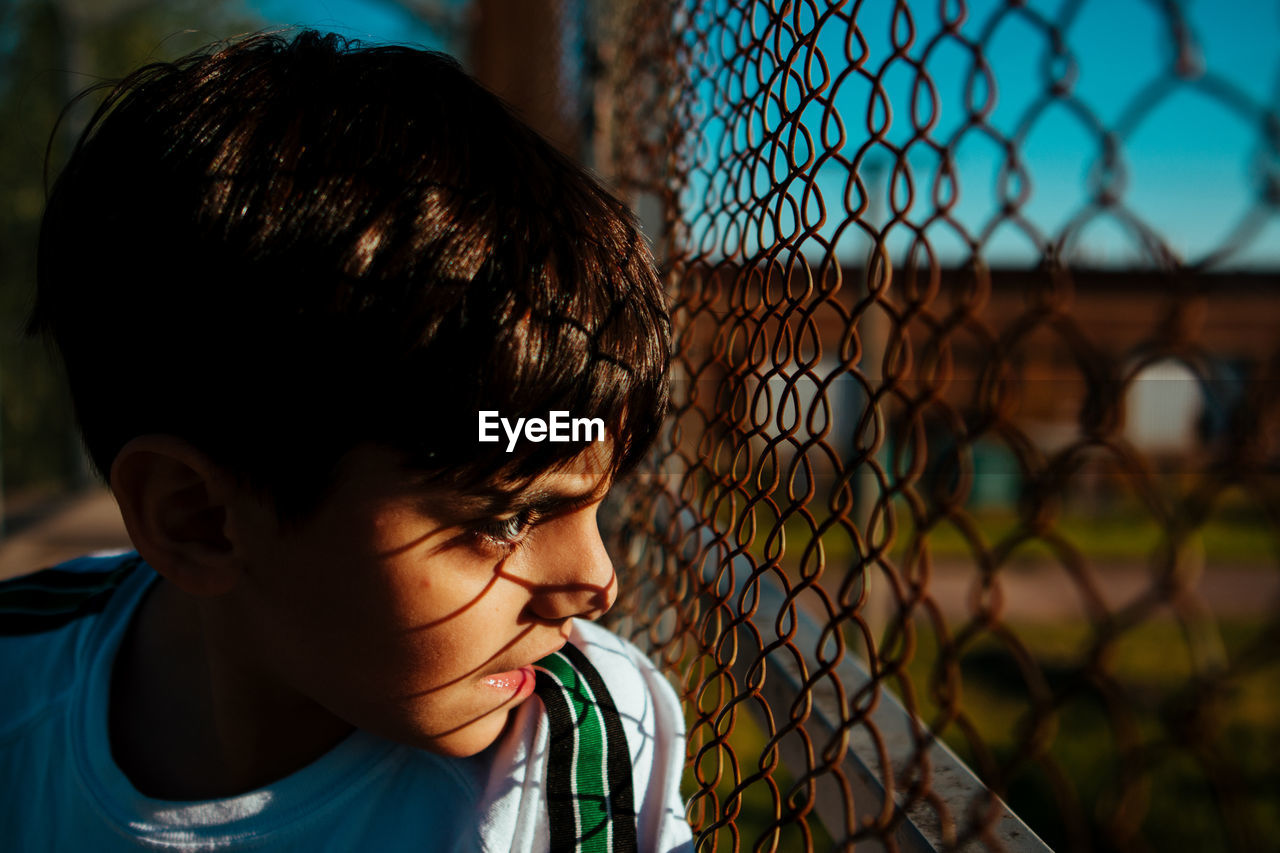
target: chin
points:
(471, 738)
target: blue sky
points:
(374, 20)
(1189, 153)
(1189, 164)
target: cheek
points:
(430, 620)
(384, 626)
(320, 616)
(449, 588)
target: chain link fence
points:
(962, 532)
(971, 467)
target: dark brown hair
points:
(278, 249)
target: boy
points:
(287, 279)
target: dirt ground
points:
(82, 524)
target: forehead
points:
(582, 479)
(372, 473)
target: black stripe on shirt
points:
(561, 807)
(52, 598)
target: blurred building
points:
(1004, 363)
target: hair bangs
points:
(329, 244)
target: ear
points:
(175, 502)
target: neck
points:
(189, 721)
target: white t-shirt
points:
(62, 790)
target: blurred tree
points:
(49, 51)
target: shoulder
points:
(45, 619)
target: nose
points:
(569, 571)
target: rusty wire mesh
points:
(912, 403)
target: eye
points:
(505, 533)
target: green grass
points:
(742, 784)
(1116, 759)
(1121, 719)
(1124, 535)
(1124, 720)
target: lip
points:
(517, 684)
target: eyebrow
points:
(544, 502)
(547, 502)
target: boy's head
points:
(282, 249)
(285, 277)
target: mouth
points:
(516, 684)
